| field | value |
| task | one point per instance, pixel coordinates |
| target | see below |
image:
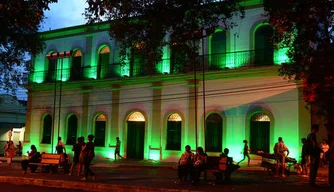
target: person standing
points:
(118, 148)
(10, 152)
(77, 150)
(88, 156)
(305, 158)
(314, 152)
(279, 150)
(60, 148)
(245, 153)
(10, 133)
(324, 151)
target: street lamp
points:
(56, 56)
(200, 35)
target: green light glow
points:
(125, 69)
(154, 155)
(280, 56)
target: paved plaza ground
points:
(150, 176)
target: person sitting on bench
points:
(230, 165)
(33, 157)
(200, 161)
(185, 164)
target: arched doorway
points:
(72, 127)
(100, 130)
(264, 48)
(136, 136)
(214, 133)
(174, 125)
(218, 50)
(260, 132)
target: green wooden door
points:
(135, 140)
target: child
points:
(246, 153)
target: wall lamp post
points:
(56, 56)
(200, 34)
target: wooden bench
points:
(49, 162)
(215, 164)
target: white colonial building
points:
(156, 116)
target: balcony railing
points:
(165, 66)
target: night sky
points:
(65, 13)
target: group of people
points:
(11, 151)
(191, 165)
(83, 156)
(314, 155)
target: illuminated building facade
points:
(156, 116)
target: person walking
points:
(314, 152)
(88, 155)
(281, 151)
(118, 148)
(245, 153)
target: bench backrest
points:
(50, 158)
(217, 163)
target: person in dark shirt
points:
(33, 157)
(88, 155)
(77, 150)
(314, 152)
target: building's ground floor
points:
(156, 119)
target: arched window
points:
(47, 128)
(174, 124)
(52, 70)
(218, 50)
(76, 65)
(260, 132)
(264, 48)
(72, 127)
(103, 62)
(214, 133)
(100, 130)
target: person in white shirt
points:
(281, 151)
(10, 134)
(323, 154)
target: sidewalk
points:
(148, 176)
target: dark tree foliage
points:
(142, 26)
(306, 28)
(20, 21)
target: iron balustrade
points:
(219, 61)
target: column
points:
(115, 130)
(84, 128)
(28, 117)
(157, 127)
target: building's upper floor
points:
(96, 56)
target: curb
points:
(87, 186)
